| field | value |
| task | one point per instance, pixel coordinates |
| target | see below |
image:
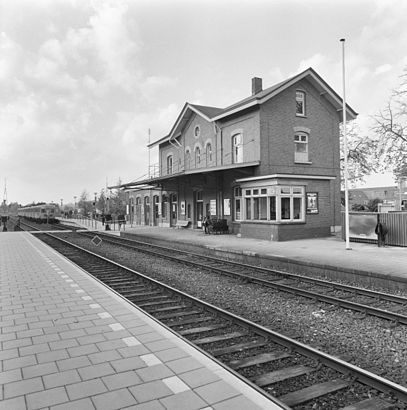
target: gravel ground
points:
(367, 342)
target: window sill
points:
(303, 162)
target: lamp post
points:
(74, 205)
(95, 210)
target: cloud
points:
(116, 49)
(316, 61)
(382, 69)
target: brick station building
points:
(269, 164)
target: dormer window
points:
(300, 103)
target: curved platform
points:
(68, 342)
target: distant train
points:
(45, 213)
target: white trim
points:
(290, 176)
(196, 111)
(235, 110)
(282, 88)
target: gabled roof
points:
(265, 95)
(187, 112)
(213, 114)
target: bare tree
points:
(390, 126)
(361, 153)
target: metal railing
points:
(362, 227)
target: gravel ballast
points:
(370, 343)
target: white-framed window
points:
(300, 103)
(237, 148)
(208, 153)
(301, 147)
(238, 204)
(197, 156)
(169, 164)
(274, 203)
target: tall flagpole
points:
(345, 149)
(149, 149)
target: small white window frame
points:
(300, 97)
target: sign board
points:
(312, 203)
(182, 207)
(212, 203)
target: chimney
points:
(257, 85)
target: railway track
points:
(32, 226)
(297, 374)
(367, 302)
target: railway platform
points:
(68, 342)
(367, 263)
(364, 262)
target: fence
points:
(362, 227)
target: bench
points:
(218, 226)
(182, 224)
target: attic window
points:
(197, 131)
(300, 103)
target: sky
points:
(83, 81)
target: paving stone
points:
(175, 384)
(150, 391)
(9, 354)
(133, 351)
(52, 356)
(17, 403)
(37, 348)
(198, 377)
(10, 364)
(46, 338)
(110, 345)
(39, 370)
(236, 403)
(114, 400)
(72, 334)
(154, 372)
(40, 324)
(151, 405)
(73, 363)
(94, 371)
(171, 354)
(91, 339)
(23, 387)
(216, 392)
(129, 363)
(63, 344)
(46, 398)
(184, 365)
(107, 356)
(82, 404)
(85, 389)
(82, 350)
(158, 345)
(61, 379)
(120, 380)
(30, 333)
(184, 401)
(10, 376)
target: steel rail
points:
(361, 375)
(359, 307)
(294, 276)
